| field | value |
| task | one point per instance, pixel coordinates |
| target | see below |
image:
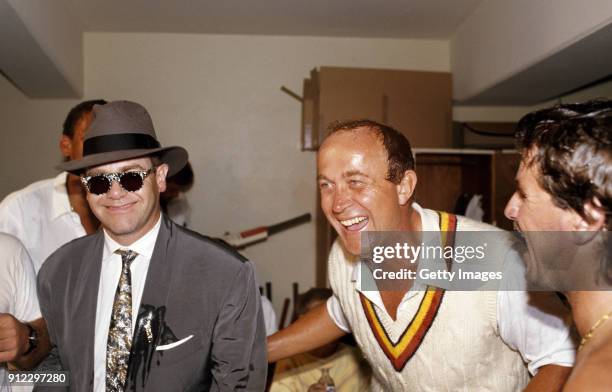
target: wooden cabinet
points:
(445, 175)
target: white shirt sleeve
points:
(20, 277)
(334, 309)
(269, 316)
(536, 324)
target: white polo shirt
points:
(40, 216)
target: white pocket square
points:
(173, 345)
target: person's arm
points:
(19, 278)
(549, 378)
(316, 328)
(15, 342)
(239, 346)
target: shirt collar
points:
(143, 246)
(430, 221)
(59, 195)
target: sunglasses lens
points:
(131, 182)
(98, 185)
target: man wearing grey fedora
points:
(144, 304)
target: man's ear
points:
(160, 177)
(594, 215)
(406, 187)
(65, 145)
(593, 221)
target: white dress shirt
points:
(109, 279)
(540, 337)
(269, 316)
(40, 216)
(17, 290)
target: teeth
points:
(353, 221)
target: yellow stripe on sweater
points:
(398, 348)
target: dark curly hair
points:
(75, 114)
(399, 153)
(571, 144)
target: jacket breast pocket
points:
(189, 347)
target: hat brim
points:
(175, 157)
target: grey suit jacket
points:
(194, 286)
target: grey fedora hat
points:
(122, 130)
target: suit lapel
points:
(160, 270)
(84, 317)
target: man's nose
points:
(512, 207)
(116, 191)
(342, 200)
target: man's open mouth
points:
(355, 224)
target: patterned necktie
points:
(120, 330)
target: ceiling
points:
(434, 19)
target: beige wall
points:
(30, 137)
(219, 96)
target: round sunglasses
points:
(131, 181)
